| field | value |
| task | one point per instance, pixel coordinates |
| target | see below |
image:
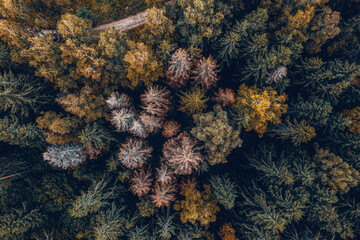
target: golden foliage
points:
(86, 105)
(193, 101)
(158, 25)
(141, 65)
(262, 106)
(354, 116)
(197, 206)
(59, 129)
(336, 173)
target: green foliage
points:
(315, 111)
(138, 233)
(166, 226)
(109, 224)
(297, 132)
(20, 94)
(87, 14)
(24, 135)
(54, 192)
(93, 200)
(327, 80)
(95, 138)
(19, 221)
(224, 191)
(199, 20)
(299, 61)
(220, 138)
(296, 190)
(4, 56)
(145, 207)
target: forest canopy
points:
(200, 119)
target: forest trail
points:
(125, 23)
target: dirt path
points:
(125, 23)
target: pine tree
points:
(109, 224)
(166, 226)
(298, 132)
(182, 154)
(19, 221)
(20, 94)
(24, 135)
(178, 71)
(140, 184)
(328, 79)
(163, 194)
(205, 72)
(95, 138)
(93, 200)
(225, 97)
(134, 153)
(224, 191)
(315, 110)
(156, 100)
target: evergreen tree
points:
(24, 135)
(66, 156)
(20, 94)
(109, 224)
(297, 132)
(19, 221)
(93, 200)
(224, 191)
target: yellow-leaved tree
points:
(261, 106)
(141, 65)
(197, 206)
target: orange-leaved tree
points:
(227, 232)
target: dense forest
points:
(213, 120)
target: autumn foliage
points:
(182, 154)
(198, 206)
(262, 106)
(178, 71)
